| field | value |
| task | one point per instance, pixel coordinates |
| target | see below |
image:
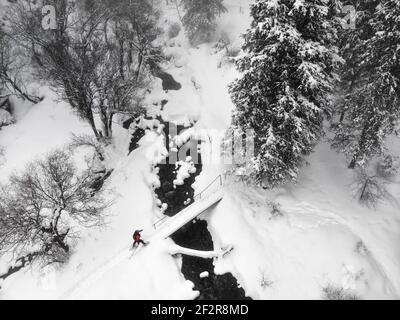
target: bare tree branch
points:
(44, 208)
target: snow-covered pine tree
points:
(199, 18)
(350, 47)
(370, 109)
(288, 72)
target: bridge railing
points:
(213, 186)
(216, 183)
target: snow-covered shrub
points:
(388, 167)
(229, 52)
(44, 208)
(240, 174)
(361, 248)
(264, 281)
(173, 30)
(370, 190)
(331, 292)
(275, 209)
(224, 43)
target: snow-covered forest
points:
(200, 149)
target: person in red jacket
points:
(137, 238)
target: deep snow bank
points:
(323, 236)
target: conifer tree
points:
(199, 18)
(287, 74)
(370, 109)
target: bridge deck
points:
(170, 225)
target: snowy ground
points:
(322, 238)
(316, 242)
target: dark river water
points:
(195, 234)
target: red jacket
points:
(136, 235)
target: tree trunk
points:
(21, 263)
(110, 118)
(121, 58)
(140, 61)
(342, 114)
(130, 54)
(92, 124)
(363, 190)
(177, 10)
(106, 121)
(353, 162)
(361, 147)
(61, 243)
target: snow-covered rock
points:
(185, 169)
(5, 118)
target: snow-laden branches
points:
(11, 67)
(98, 58)
(368, 108)
(288, 74)
(371, 190)
(43, 209)
(199, 18)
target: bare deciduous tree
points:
(94, 57)
(86, 140)
(43, 210)
(388, 167)
(10, 69)
(370, 190)
(332, 292)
